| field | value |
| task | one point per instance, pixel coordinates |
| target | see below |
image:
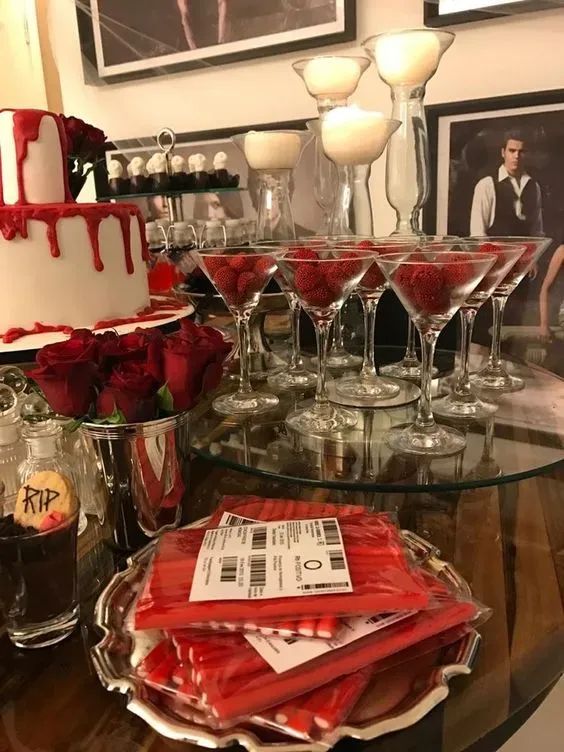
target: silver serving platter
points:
(112, 659)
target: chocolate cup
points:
(38, 580)
(201, 179)
(138, 184)
(222, 178)
(160, 181)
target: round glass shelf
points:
(525, 437)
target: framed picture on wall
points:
(126, 39)
(497, 168)
(221, 205)
(449, 12)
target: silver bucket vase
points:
(144, 472)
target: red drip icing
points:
(125, 222)
(26, 129)
(1, 185)
(14, 219)
(93, 227)
(146, 256)
(156, 311)
(13, 334)
(64, 150)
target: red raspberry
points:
(225, 279)
(319, 297)
(458, 273)
(304, 254)
(428, 289)
(404, 277)
(366, 244)
(213, 263)
(263, 266)
(373, 278)
(248, 283)
(489, 248)
(241, 263)
(342, 270)
(306, 277)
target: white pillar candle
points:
(353, 136)
(409, 58)
(272, 150)
(332, 77)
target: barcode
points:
(337, 559)
(324, 585)
(229, 569)
(290, 640)
(258, 570)
(377, 619)
(233, 521)
(258, 540)
(331, 532)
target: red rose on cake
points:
(85, 141)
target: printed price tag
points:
(283, 654)
(271, 560)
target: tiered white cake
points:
(62, 264)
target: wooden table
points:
(507, 540)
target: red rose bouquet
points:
(130, 378)
(85, 147)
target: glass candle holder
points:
(495, 377)
(432, 286)
(324, 177)
(406, 60)
(274, 155)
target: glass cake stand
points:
(524, 438)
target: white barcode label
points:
(271, 560)
(283, 654)
(234, 520)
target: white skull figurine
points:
(178, 164)
(150, 166)
(115, 169)
(220, 161)
(192, 162)
(200, 162)
(137, 166)
(159, 162)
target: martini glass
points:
(432, 285)
(368, 387)
(463, 402)
(322, 285)
(409, 367)
(240, 274)
(294, 375)
(494, 377)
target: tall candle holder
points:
(273, 155)
(324, 177)
(331, 80)
(406, 60)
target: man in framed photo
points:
(508, 201)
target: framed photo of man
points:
(126, 39)
(498, 170)
(450, 12)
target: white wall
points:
(21, 70)
(506, 56)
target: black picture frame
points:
(92, 75)
(434, 113)
(433, 19)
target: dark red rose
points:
(193, 362)
(131, 390)
(84, 141)
(143, 345)
(67, 375)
